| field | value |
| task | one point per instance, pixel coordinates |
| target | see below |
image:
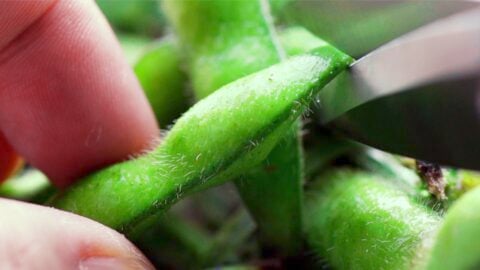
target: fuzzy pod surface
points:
(456, 244)
(358, 221)
(272, 191)
(297, 40)
(159, 73)
(224, 40)
(217, 139)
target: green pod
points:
(389, 167)
(217, 139)
(227, 40)
(273, 193)
(218, 37)
(357, 221)
(162, 80)
(456, 245)
(224, 40)
(297, 40)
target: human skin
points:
(66, 90)
(9, 160)
(65, 93)
(61, 240)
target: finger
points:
(69, 102)
(37, 237)
(13, 22)
(9, 160)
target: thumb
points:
(38, 237)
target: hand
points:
(69, 104)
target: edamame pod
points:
(162, 80)
(217, 139)
(357, 221)
(297, 40)
(456, 245)
(224, 40)
(272, 191)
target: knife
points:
(360, 26)
(418, 95)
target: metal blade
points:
(360, 26)
(417, 96)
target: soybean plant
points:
(222, 45)
(219, 138)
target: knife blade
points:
(418, 95)
(360, 26)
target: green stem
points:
(214, 64)
(223, 40)
(273, 191)
(218, 56)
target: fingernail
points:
(110, 263)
